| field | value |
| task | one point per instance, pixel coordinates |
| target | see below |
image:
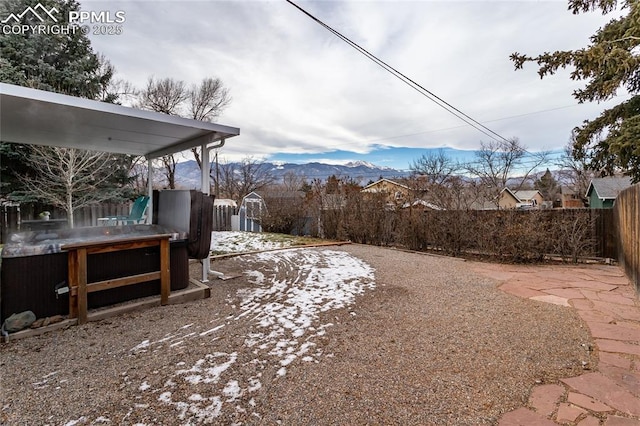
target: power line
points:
(408, 81)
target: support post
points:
(149, 219)
(206, 189)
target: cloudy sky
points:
(301, 94)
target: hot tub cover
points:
(32, 243)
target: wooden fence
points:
(13, 216)
(222, 217)
(627, 218)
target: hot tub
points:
(33, 266)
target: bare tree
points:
(434, 168)
(497, 161)
(203, 102)
(167, 96)
(70, 178)
(293, 182)
(574, 170)
(206, 102)
(240, 179)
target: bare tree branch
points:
(69, 178)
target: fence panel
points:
(222, 217)
(627, 218)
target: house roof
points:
(423, 203)
(527, 195)
(376, 183)
(510, 192)
(31, 116)
(608, 188)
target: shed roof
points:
(32, 116)
(608, 188)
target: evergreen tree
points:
(548, 186)
(610, 142)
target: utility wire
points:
(408, 81)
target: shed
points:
(250, 213)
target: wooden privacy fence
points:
(627, 217)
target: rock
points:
(56, 319)
(37, 323)
(17, 322)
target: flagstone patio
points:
(603, 297)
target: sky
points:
(300, 94)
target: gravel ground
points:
(377, 336)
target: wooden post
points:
(165, 277)
(82, 285)
(73, 283)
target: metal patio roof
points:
(31, 116)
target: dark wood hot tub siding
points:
(27, 283)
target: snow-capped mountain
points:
(188, 173)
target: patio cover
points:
(31, 116)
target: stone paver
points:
(621, 421)
(544, 398)
(524, 417)
(589, 421)
(587, 402)
(602, 296)
(568, 413)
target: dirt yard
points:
(334, 335)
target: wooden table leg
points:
(165, 276)
(73, 283)
(82, 286)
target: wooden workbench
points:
(79, 287)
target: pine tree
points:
(611, 62)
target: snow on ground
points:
(239, 242)
(283, 317)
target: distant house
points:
(509, 199)
(395, 193)
(533, 198)
(570, 198)
(602, 192)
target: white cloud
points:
(297, 88)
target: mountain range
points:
(188, 172)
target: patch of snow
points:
(284, 313)
(240, 242)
